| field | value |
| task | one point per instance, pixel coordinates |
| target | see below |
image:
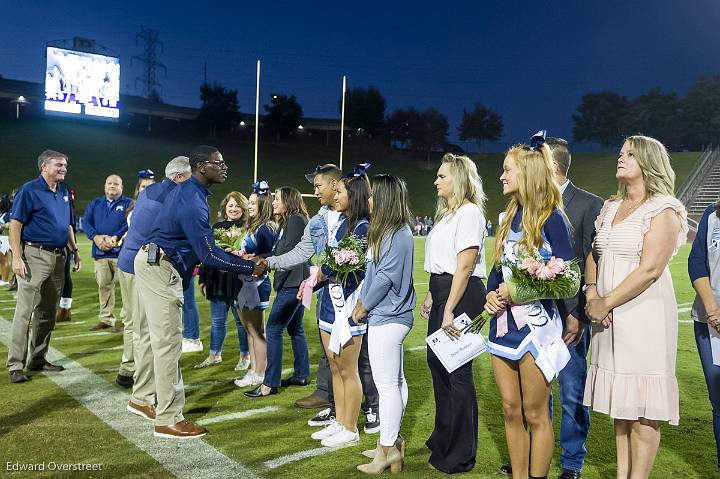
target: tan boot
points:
(370, 453)
(393, 460)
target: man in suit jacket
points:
(581, 208)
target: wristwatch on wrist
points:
(586, 286)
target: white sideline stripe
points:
(686, 321)
(190, 387)
(684, 310)
(298, 456)
(415, 348)
(84, 335)
(237, 415)
(186, 459)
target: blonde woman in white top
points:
(455, 259)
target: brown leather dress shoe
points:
(312, 401)
(63, 315)
(47, 367)
(100, 326)
(180, 430)
(147, 412)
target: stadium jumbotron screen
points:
(84, 84)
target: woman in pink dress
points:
(631, 301)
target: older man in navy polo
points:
(40, 237)
(105, 223)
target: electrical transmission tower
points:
(150, 42)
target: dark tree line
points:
(681, 122)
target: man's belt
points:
(45, 248)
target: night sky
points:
(531, 61)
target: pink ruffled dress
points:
(632, 363)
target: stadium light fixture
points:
(300, 127)
(19, 102)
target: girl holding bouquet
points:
(351, 200)
(455, 259)
(387, 302)
(525, 340)
(221, 288)
(254, 297)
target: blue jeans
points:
(712, 378)
(191, 316)
(575, 421)
(286, 312)
(218, 326)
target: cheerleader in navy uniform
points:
(526, 339)
(254, 297)
(351, 200)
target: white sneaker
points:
(3, 283)
(327, 431)
(250, 379)
(342, 438)
(191, 345)
(243, 363)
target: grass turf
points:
(40, 423)
(97, 150)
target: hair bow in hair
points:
(145, 174)
(360, 170)
(538, 139)
(261, 187)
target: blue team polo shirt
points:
(45, 214)
(147, 207)
(104, 217)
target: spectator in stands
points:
(221, 289)
(40, 237)
(104, 223)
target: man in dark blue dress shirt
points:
(105, 223)
(181, 239)
(40, 237)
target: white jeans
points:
(385, 347)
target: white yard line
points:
(84, 335)
(298, 456)
(184, 459)
(237, 415)
(415, 348)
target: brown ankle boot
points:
(63, 315)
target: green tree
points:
(654, 114)
(220, 111)
(364, 110)
(699, 122)
(598, 118)
(283, 116)
(481, 124)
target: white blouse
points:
(453, 234)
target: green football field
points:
(78, 417)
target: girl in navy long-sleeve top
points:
(704, 270)
(527, 356)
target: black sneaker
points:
(372, 421)
(323, 418)
(124, 381)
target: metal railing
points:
(689, 188)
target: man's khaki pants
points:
(106, 273)
(37, 300)
(160, 290)
(128, 293)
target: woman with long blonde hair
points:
(260, 234)
(455, 259)
(525, 340)
(631, 302)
